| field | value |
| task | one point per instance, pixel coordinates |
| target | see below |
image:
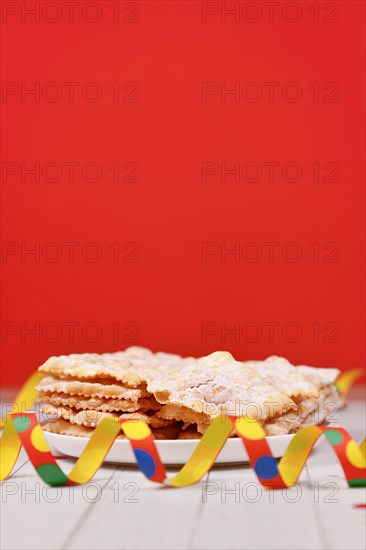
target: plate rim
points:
(166, 442)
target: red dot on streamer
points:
(359, 506)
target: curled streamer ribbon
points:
(22, 429)
(346, 379)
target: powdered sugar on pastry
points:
(85, 388)
(279, 372)
(216, 384)
(326, 407)
(132, 367)
(318, 376)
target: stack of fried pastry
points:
(178, 397)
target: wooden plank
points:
(141, 515)
(239, 513)
(36, 516)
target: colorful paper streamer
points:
(22, 429)
(347, 379)
(26, 396)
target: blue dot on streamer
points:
(146, 462)
(266, 467)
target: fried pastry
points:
(215, 385)
(178, 397)
(64, 427)
(133, 367)
(329, 401)
(91, 388)
(99, 404)
(90, 418)
(279, 372)
(61, 426)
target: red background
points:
(170, 292)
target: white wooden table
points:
(228, 509)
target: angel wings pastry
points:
(178, 397)
(312, 390)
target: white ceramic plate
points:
(174, 452)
